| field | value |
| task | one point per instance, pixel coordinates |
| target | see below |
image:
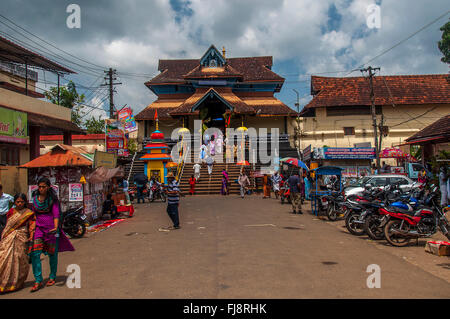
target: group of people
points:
(29, 230)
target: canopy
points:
(140, 178)
(243, 163)
(393, 152)
(103, 174)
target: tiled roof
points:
(251, 68)
(155, 157)
(268, 106)
(388, 90)
(224, 92)
(74, 137)
(200, 72)
(61, 155)
(440, 128)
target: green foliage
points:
(68, 97)
(95, 126)
(132, 145)
(444, 44)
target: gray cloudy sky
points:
(303, 36)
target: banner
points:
(307, 153)
(75, 192)
(344, 153)
(13, 126)
(32, 188)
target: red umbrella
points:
(243, 163)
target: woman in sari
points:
(48, 236)
(14, 262)
(307, 181)
(192, 182)
(266, 186)
(224, 190)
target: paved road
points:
(234, 248)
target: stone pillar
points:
(67, 138)
(35, 142)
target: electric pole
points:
(110, 78)
(373, 111)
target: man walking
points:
(243, 183)
(5, 201)
(294, 188)
(197, 171)
(173, 200)
(276, 179)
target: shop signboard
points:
(105, 159)
(75, 192)
(307, 153)
(344, 153)
(13, 126)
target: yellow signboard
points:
(107, 160)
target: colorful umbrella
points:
(243, 163)
(295, 162)
(171, 164)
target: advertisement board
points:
(105, 159)
(344, 153)
(75, 192)
(13, 126)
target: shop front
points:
(354, 161)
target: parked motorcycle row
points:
(392, 214)
(155, 192)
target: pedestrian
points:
(373, 170)
(243, 182)
(294, 188)
(212, 146)
(224, 190)
(443, 185)
(210, 163)
(6, 201)
(48, 237)
(276, 179)
(266, 186)
(422, 176)
(197, 168)
(19, 230)
(140, 186)
(202, 154)
(308, 181)
(219, 144)
(173, 200)
(125, 186)
(192, 181)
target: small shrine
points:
(157, 157)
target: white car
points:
(379, 181)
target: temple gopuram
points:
(218, 90)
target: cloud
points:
(304, 37)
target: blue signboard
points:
(347, 153)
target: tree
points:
(68, 97)
(95, 126)
(444, 44)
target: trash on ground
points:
(101, 226)
(438, 248)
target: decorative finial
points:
(223, 52)
(156, 119)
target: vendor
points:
(109, 207)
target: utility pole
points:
(110, 78)
(373, 111)
(298, 134)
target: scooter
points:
(74, 222)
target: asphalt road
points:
(230, 247)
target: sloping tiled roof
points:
(440, 128)
(251, 68)
(200, 72)
(268, 106)
(398, 90)
(225, 92)
(61, 155)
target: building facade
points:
(219, 91)
(339, 115)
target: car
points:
(357, 187)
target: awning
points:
(103, 174)
(50, 122)
(421, 140)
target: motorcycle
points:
(157, 191)
(74, 222)
(334, 205)
(422, 222)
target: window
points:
(9, 155)
(400, 180)
(377, 182)
(349, 131)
